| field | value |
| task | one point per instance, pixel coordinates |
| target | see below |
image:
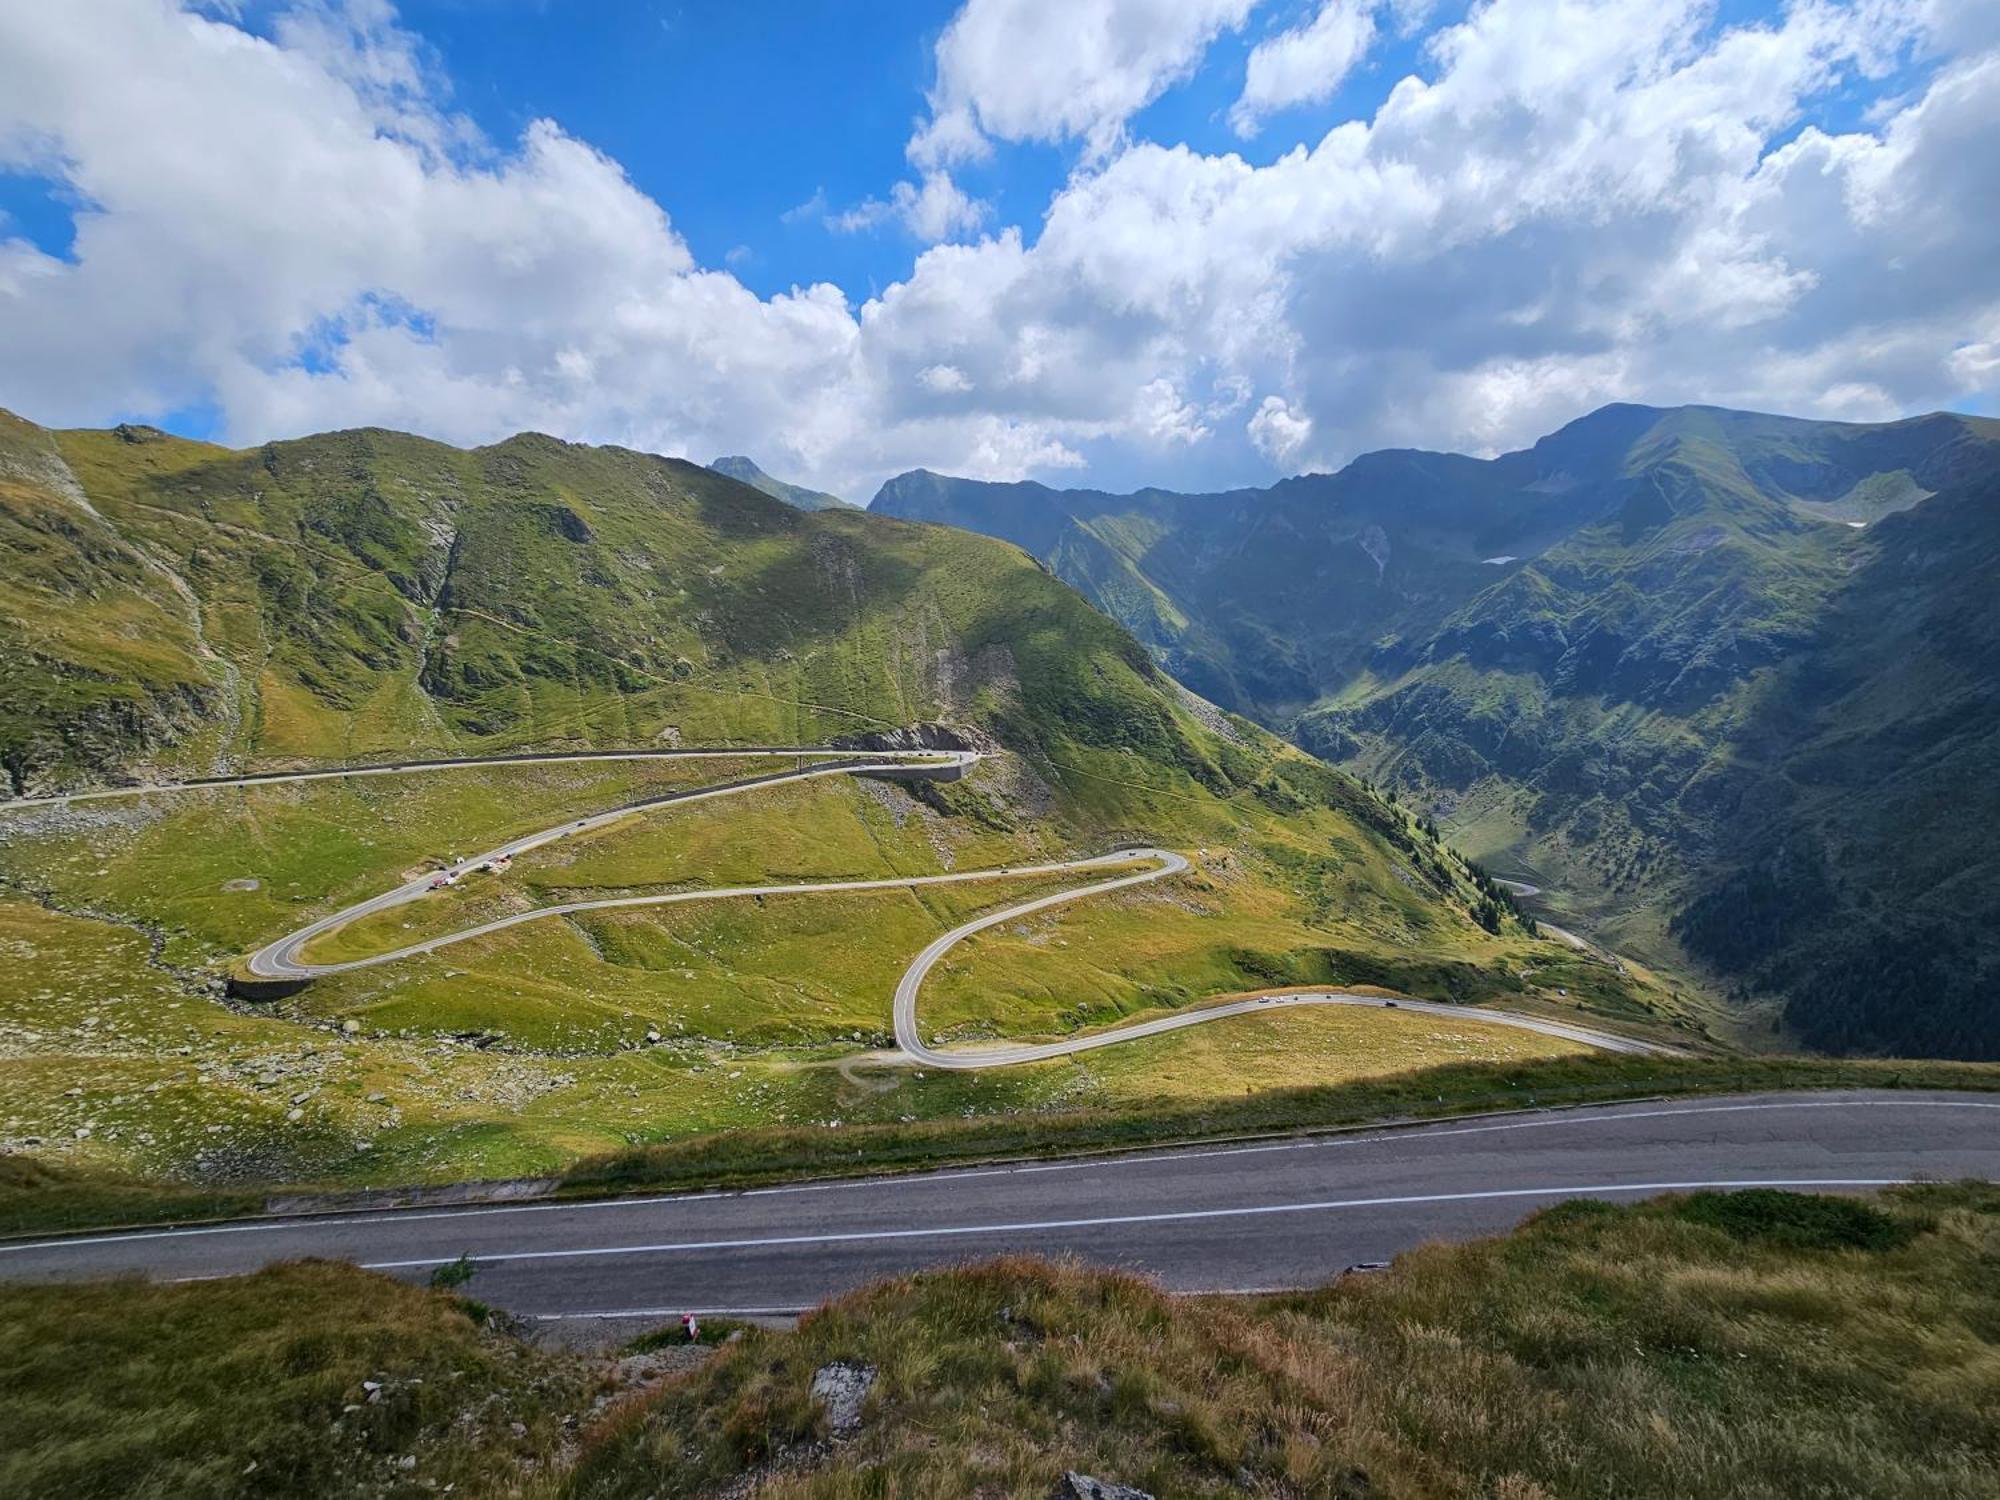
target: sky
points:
(1192, 243)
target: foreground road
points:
(1277, 1214)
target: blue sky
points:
(729, 115)
(735, 117)
(1187, 242)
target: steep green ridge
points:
(746, 471)
(1613, 664)
(1857, 867)
(178, 606)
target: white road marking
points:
(1037, 1226)
(1588, 1115)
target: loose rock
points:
(1075, 1486)
(841, 1387)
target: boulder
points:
(841, 1387)
(1075, 1486)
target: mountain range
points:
(1721, 680)
(746, 471)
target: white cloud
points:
(1306, 64)
(1278, 432)
(1577, 201)
(934, 210)
(943, 380)
(1055, 70)
(1161, 415)
(813, 210)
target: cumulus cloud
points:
(1164, 417)
(943, 380)
(1278, 432)
(935, 209)
(1054, 70)
(1305, 64)
(1571, 201)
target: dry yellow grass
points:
(1747, 1346)
(1289, 1049)
(1752, 1346)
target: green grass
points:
(254, 1386)
(40, 1197)
(217, 872)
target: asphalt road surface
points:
(1274, 1214)
(464, 763)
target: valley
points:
(1716, 680)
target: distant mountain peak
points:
(747, 471)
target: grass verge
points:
(746, 1157)
(41, 1197)
(1748, 1346)
(38, 1198)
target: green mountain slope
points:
(1855, 867)
(745, 471)
(1570, 653)
(178, 606)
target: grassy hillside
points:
(1743, 1346)
(522, 1052)
(176, 607)
(1615, 665)
(254, 1386)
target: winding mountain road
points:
(284, 960)
(1521, 890)
(911, 1041)
(463, 763)
(1240, 1216)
